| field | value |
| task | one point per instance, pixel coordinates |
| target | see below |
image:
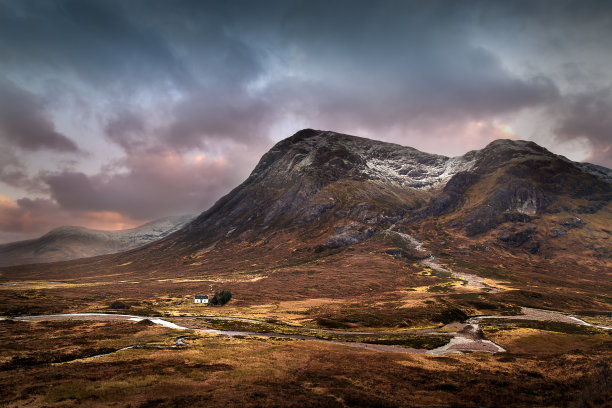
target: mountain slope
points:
(65, 243)
(318, 179)
(315, 174)
(331, 216)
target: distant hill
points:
(66, 243)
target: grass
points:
(387, 314)
(527, 341)
(412, 341)
(481, 270)
(484, 303)
(282, 279)
(71, 340)
(449, 287)
(558, 327)
(216, 371)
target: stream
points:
(430, 262)
(467, 338)
(529, 313)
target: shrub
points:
(451, 315)
(221, 298)
(331, 323)
(117, 304)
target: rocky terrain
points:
(66, 243)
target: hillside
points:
(331, 216)
(324, 182)
(66, 243)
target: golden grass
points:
(216, 371)
(533, 341)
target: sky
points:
(114, 113)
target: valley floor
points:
(123, 360)
(357, 327)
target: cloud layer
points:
(119, 112)
(24, 121)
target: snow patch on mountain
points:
(386, 162)
(66, 243)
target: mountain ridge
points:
(300, 179)
(72, 242)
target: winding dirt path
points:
(471, 280)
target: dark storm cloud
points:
(168, 81)
(74, 191)
(375, 64)
(150, 186)
(213, 116)
(13, 172)
(371, 65)
(402, 62)
(24, 121)
(588, 115)
(128, 130)
(95, 40)
(358, 66)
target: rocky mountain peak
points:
(330, 156)
(502, 151)
(321, 177)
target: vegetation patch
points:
(331, 323)
(403, 340)
(482, 270)
(479, 303)
(428, 342)
(221, 298)
(451, 315)
(492, 324)
(391, 314)
(449, 287)
(217, 371)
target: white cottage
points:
(200, 299)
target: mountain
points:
(65, 243)
(331, 216)
(314, 176)
(318, 179)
